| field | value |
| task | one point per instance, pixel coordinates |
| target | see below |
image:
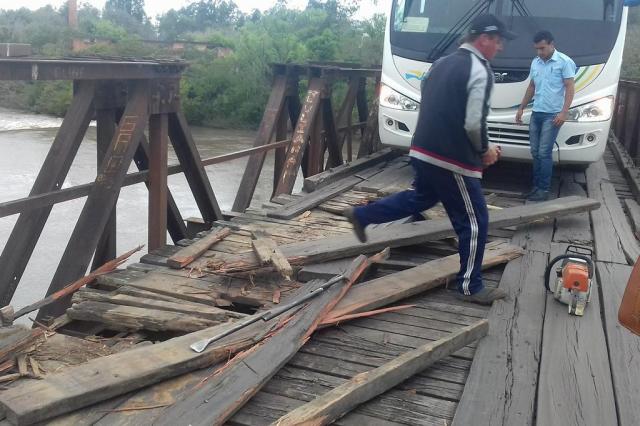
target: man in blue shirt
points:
(552, 90)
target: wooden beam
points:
(403, 235)
(309, 201)
(190, 253)
(401, 285)
(268, 253)
(26, 232)
(361, 388)
(130, 318)
(158, 156)
(249, 371)
(614, 240)
(300, 135)
(107, 377)
(187, 153)
(573, 386)
(506, 362)
(633, 210)
(141, 300)
(102, 199)
(623, 345)
(313, 183)
(628, 166)
(270, 118)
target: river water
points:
(25, 140)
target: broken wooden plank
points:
(118, 374)
(627, 165)
(190, 253)
(575, 386)
(249, 371)
(309, 201)
(363, 387)
(614, 240)
(398, 286)
(624, 346)
(576, 228)
(16, 339)
(268, 253)
(507, 359)
(126, 318)
(313, 183)
(633, 210)
(197, 310)
(415, 233)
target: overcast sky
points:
(156, 7)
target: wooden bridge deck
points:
(538, 365)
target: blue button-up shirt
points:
(548, 77)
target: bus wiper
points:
(452, 35)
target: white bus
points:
(591, 32)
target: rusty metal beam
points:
(300, 135)
(26, 232)
(30, 69)
(158, 155)
(102, 198)
(106, 128)
(187, 153)
(175, 223)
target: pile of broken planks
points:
(355, 342)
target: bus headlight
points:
(391, 99)
(600, 110)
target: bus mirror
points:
(631, 3)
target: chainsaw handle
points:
(556, 259)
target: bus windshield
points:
(584, 29)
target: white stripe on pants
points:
(473, 242)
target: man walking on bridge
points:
(450, 147)
(552, 90)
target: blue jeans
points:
(464, 202)
(542, 137)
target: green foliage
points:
(227, 91)
(49, 97)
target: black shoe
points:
(539, 195)
(530, 193)
(349, 213)
(486, 296)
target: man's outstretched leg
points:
(397, 206)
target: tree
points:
(200, 16)
(133, 8)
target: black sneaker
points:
(349, 213)
(486, 296)
(530, 193)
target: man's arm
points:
(569, 92)
(476, 101)
(531, 90)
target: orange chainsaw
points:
(574, 276)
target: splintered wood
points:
(268, 253)
(190, 253)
